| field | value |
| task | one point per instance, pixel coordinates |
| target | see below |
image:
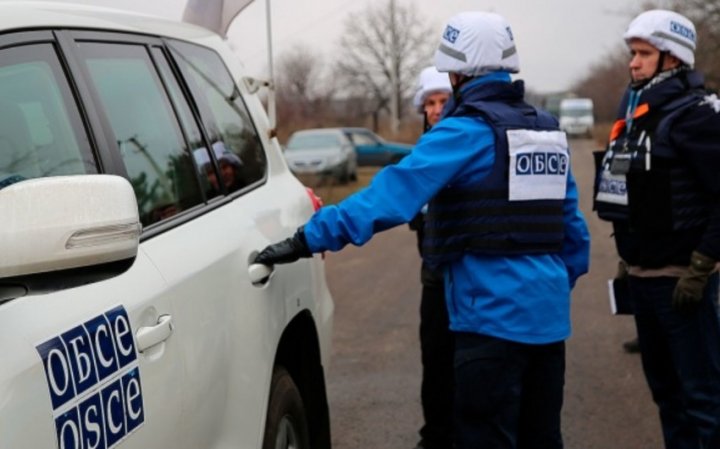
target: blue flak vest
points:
(489, 217)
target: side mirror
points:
(62, 232)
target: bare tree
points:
(303, 90)
(299, 74)
(382, 51)
(605, 83)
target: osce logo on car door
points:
(94, 382)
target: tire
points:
(353, 176)
(286, 424)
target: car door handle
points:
(149, 336)
(259, 274)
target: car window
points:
(362, 139)
(41, 133)
(151, 145)
(235, 143)
(313, 141)
(206, 170)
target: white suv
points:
(131, 314)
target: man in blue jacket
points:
(658, 184)
(504, 226)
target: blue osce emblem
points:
(509, 33)
(94, 382)
(682, 30)
(613, 186)
(541, 163)
(451, 34)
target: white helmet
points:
(667, 31)
(430, 81)
(475, 43)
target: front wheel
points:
(286, 424)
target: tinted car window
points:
(308, 140)
(206, 170)
(151, 145)
(362, 139)
(40, 128)
(236, 145)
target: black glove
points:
(689, 289)
(287, 251)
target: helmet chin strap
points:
(660, 64)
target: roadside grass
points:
(331, 191)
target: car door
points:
(236, 325)
(89, 366)
(368, 149)
(204, 221)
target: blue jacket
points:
(519, 298)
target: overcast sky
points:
(557, 40)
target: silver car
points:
(325, 152)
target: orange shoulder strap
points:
(619, 125)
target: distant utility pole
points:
(394, 94)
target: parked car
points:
(131, 313)
(372, 149)
(326, 152)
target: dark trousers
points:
(681, 359)
(507, 395)
(437, 347)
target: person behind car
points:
(436, 339)
(504, 226)
(658, 184)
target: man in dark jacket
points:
(659, 184)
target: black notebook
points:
(619, 293)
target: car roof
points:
(576, 101)
(355, 128)
(343, 129)
(318, 131)
(31, 15)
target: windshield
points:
(314, 141)
(576, 112)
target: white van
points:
(138, 181)
(576, 116)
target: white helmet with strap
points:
(430, 81)
(667, 31)
(475, 43)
